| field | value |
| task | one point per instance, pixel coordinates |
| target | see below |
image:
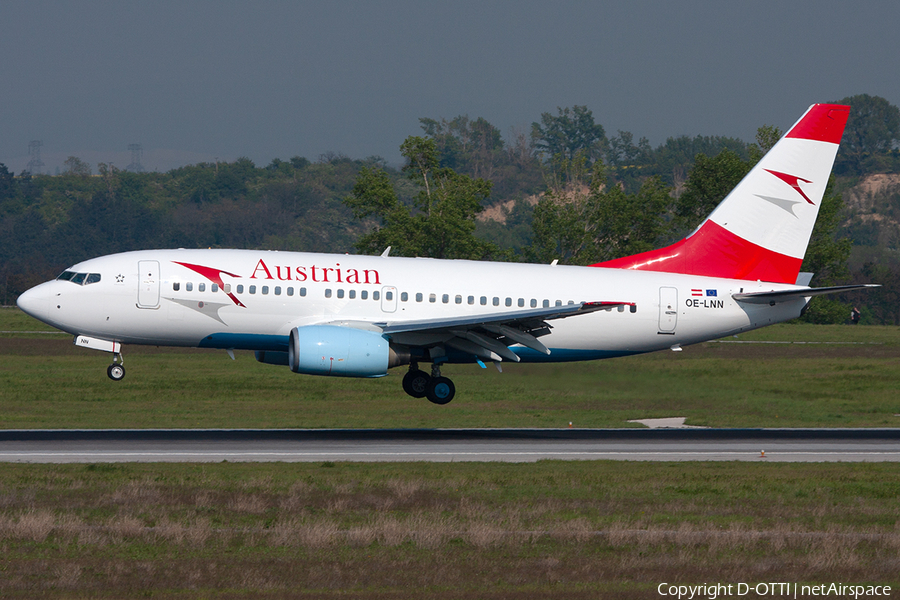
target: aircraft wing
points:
(775, 297)
(489, 336)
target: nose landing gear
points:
(418, 384)
(116, 371)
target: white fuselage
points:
(151, 297)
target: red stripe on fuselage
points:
(713, 251)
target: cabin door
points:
(668, 310)
(148, 284)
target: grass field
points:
(546, 530)
(562, 530)
(842, 376)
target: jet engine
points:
(338, 351)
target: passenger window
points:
(445, 298)
(240, 289)
(290, 291)
(496, 301)
(459, 299)
(92, 278)
(363, 295)
(521, 302)
(176, 286)
(389, 295)
(227, 288)
(201, 287)
(432, 298)
(351, 294)
(303, 291)
(265, 289)
(189, 287)
(509, 301)
(534, 302)
(621, 308)
(252, 289)
(418, 296)
(471, 299)
(376, 295)
(404, 297)
(277, 290)
(558, 302)
(484, 300)
(571, 302)
(214, 287)
(328, 293)
(340, 293)
(633, 308)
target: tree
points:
(709, 181)
(873, 128)
(766, 137)
(473, 147)
(572, 132)
(7, 184)
(441, 221)
(76, 166)
(583, 227)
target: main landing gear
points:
(419, 384)
(116, 370)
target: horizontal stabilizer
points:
(789, 295)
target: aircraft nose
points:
(36, 301)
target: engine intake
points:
(338, 351)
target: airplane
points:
(359, 316)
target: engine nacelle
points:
(338, 351)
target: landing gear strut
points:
(116, 371)
(418, 384)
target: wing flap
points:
(489, 336)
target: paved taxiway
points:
(444, 445)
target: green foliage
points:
(872, 131)
(476, 148)
(441, 221)
(49, 223)
(880, 305)
(572, 132)
(826, 256)
(583, 226)
(511, 234)
(709, 181)
(766, 137)
(76, 166)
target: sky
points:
(195, 81)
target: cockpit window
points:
(79, 278)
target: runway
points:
(448, 445)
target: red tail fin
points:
(760, 231)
